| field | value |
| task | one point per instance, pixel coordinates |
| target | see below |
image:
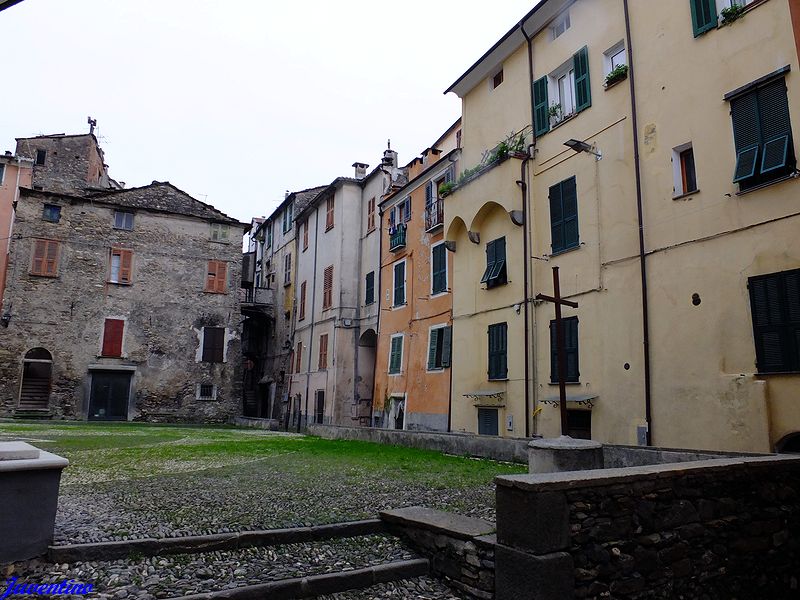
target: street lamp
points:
(579, 146)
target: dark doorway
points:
(789, 444)
(319, 406)
(579, 424)
(488, 421)
(109, 396)
(37, 368)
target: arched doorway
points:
(367, 344)
(789, 444)
(37, 370)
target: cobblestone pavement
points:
(422, 588)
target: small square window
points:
(123, 220)
(497, 79)
(685, 176)
(52, 213)
(40, 156)
(560, 25)
(220, 232)
(206, 391)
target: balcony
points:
(397, 237)
(257, 300)
(434, 215)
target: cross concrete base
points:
(554, 455)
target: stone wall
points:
(164, 308)
(461, 444)
(715, 529)
(72, 163)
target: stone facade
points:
(163, 307)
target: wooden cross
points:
(562, 388)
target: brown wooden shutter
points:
(222, 277)
(329, 215)
(371, 214)
(126, 266)
(323, 351)
(51, 258)
(211, 276)
(45, 258)
(299, 357)
(327, 287)
(213, 344)
(39, 251)
(112, 337)
(302, 301)
(305, 235)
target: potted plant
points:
(446, 189)
(618, 73)
(731, 13)
(555, 112)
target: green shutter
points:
(583, 91)
(433, 346)
(429, 194)
(399, 284)
(490, 258)
(498, 342)
(569, 203)
(541, 107)
(439, 283)
(776, 128)
(396, 355)
(556, 219)
(447, 345)
(369, 295)
(571, 348)
(553, 353)
(704, 15)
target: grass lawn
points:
(134, 480)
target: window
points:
(685, 178)
(52, 213)
(45, 258)
(220, 232)
(268, 240)
(495, 273)
(762, 134)
(570, 88)
(440, 343)
(327, 287)
(704, 15)
(488, 421)
(302, 311)
(298, 357)
(123, 220)
(458, 139)
(615, 57)
(400, 213)
(370, 215)
(438, 269)
(287, 269)
(322, 362)
(498, 348)
(369, 286)
(291, 362)
(217, 277)
(2, 173)
(497, 79)
(579, 424)
(570, 325)
(329, 209)
(287, 218)
(305, 235)
(564, 216)
(121, 266)
(560, 25)
(399, 271)
(775, 307)
(396, 354)
(214, 344)
(112, 337)
(206, 391)
(40, 156)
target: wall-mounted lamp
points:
(450, 246)
(579, 146)
(516, 217)
(474, 237)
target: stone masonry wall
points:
(72, 162)
(165, 309)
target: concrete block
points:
(557, 455)
(523, 576)
(537, 522)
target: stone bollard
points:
(555, 455)
(29, 480)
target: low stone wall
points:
(462, 444)
(716, 529)
(615, 457)
(461, 549)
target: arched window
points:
(37, 369)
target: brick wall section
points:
(165, 309)
(724, 528)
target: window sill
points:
(746, 10)
(778, 373)
(497, 378)
(122, 229)
(217, 293)
(394, 374)
(287, 283)
(608, 86)
(565, 383)
(123, 283)
(767, 184)
(396, 306)
(225, 242)
(46, 276)
(565, 250)
(686, 195)
(439, 294)
(436, 370)
(563, 121)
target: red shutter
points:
(112, 337)
(39, 250)
(125, 266)
(222, 277)
(302, 301)
(211, 276)
(51, 258)
(45, 258)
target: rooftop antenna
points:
(92, 124)
(389, 144)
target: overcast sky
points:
(236, 101)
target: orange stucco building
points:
(412, 374)
(15, 171)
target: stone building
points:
(120, 304)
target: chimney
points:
(389, 156)
(361, 169)
(8, 152)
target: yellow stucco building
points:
(658, 173)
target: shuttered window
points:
(704, 15)
(541, 108)
(45, 258)
(488, 421)
(302, 310)
(564, 215)
(327, 287)
(371, 214)
(762, 133)
(570, 325)
(217, 277)
(399, 283)
(213, 344)
(583, 88)
(329, 209)
(439, 348)
(775, 307)
(322, 362)
(496, 271)
(305, 235)
(498, 351)
(121, 267)
(112, 337)
(287, 269)
(298, 357)
(369, 285)
(396, 355)
(439, 269)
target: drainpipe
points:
(639, 210)
(313, 304)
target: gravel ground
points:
(422, 588)
(169, 576)
(244, 497)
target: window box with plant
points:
(617, 74)
(731, 13)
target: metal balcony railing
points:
(434, 214)
(397, 237)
